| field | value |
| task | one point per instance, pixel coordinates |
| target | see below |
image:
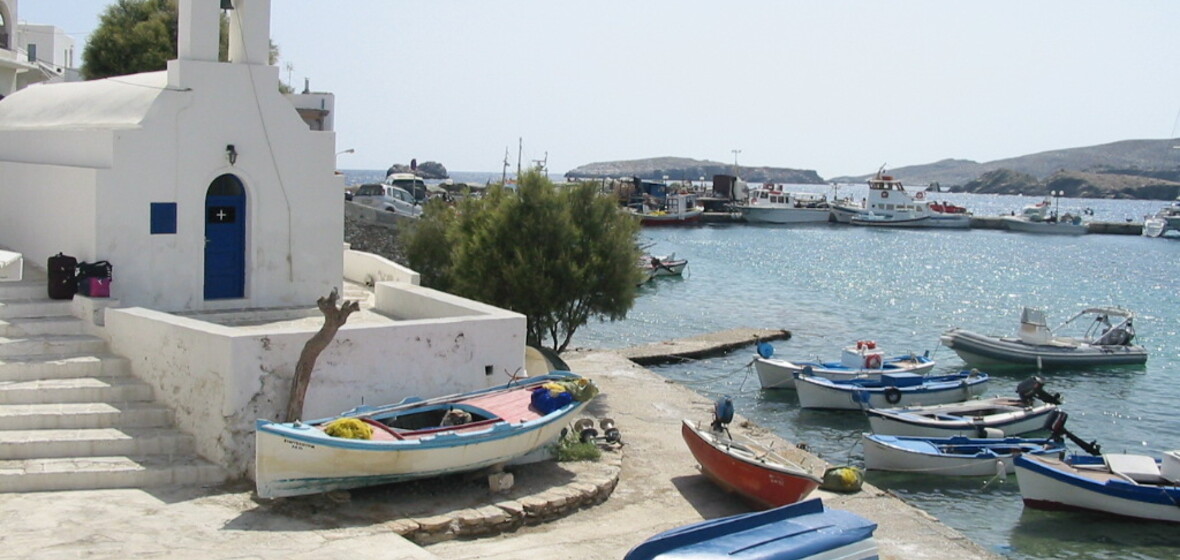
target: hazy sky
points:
(840, 87)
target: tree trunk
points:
(334, 318)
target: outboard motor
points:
(1034, 387)
(1055, 424)
(722, 413)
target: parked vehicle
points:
(388, 198)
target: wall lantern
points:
(227, 4)
(231, 154)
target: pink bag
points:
(95, 287)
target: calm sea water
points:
(831, 285)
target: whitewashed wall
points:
(220, 379)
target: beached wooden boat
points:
(1135, 486)
(803, 531)
(748, 469)
(417, 438)
(861, 360)
(953, 456)
(892, 389)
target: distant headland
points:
(1132, 169)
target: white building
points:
(50, 49)
(219, 208)
(15, 69)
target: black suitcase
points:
(62, 281)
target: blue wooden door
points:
(225, 239)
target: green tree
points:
(558, 257)
(136, 36)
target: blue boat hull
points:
(802, 531)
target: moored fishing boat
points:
(953, 456)
(416, 438)
(892, 389)
(749, 469)
(667, 265)
(1166, 219)
(1137, 486)
(772, 205)
(676, 208)
(1041, 218)
(861, 360)
(1103, 343)
(803, 531)
(994, 417)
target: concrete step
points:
(15, 308)
(87, 473)
(93, 442)
(32, 368)
(51, 345)
(84, 415)
(25, 289)
(75, 390)
(39, 326)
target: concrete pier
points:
(977, 222)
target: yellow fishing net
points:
(349, 428)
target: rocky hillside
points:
(676, 169)
(1147, 169)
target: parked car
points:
(388, 198)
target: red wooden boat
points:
(749, 469)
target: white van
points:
(388, 198)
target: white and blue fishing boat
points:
(861, 360)
(1137, 486)
(803, 531)
(417, 438)
(892, 389)
(953, 456)
(979, 418)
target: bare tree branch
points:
(334, 318)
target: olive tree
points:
(557, 256)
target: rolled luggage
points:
(61, 273)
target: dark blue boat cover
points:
(789, 532)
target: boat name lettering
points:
(298, 444)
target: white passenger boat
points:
(1136, 486)
(952, 456)
(890, 205)
(1102, 343)
(861, 360)
(772, 205)
(892, 389)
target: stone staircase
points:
(72, 416)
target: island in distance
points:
(1132, 169)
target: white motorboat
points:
(892, 389)
(772, 205)
(953, 456)
(861, 360)
(979, 418)
(1167, 219)
(1101, 344)
(1137, 486)
(890, 205)
(1042, 218)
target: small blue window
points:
(163, 217)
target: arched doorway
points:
(225, 239)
